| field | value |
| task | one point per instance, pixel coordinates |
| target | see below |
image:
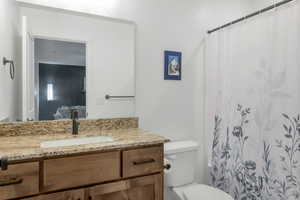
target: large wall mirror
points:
(74, 61)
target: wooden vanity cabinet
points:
(143, 188)
(129, 174)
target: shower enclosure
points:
(253, 105)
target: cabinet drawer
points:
(19, 180)
(142, 161)
(71, 172)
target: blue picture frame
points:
(172, 65)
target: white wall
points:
(171, 108)
(9, 41)
(110, 55)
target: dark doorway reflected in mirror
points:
(61, 89)
(59, 79)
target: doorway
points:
(60, 79)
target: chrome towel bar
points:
(107, 97)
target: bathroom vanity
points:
(128, 167)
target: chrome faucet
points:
(75, 122)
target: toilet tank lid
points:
(180, 146)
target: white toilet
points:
(180, 178)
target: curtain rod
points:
(250, 15)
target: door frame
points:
(24, 67)
(47, 37)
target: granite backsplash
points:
(63, 126)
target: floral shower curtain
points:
(253, 106)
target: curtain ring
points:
(274, 5)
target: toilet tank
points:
(182, 157)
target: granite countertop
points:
(27, 147)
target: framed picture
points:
(172, 65)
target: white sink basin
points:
(76, 141)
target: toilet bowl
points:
(200, 191)
(180, 178)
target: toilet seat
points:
(199, 192)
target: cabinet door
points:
(19, 180)
(67, 195)
(146, 188)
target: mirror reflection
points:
(64, 61)
(61, 74)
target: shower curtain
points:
(253, 105)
